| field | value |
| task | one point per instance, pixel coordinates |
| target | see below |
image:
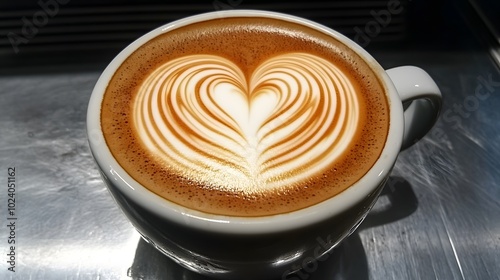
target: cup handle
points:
(421, 99)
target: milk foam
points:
(293, 117)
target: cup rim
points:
(161, 207)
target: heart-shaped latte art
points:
(292, 119)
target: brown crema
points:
(246, 42)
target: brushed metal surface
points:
(438, 218)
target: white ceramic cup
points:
(270, 246)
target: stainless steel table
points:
(439, 216)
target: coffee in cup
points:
(247, 144)
(245, 116)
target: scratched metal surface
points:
(439, 216)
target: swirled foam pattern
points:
(286, 121)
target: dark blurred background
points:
(52, 33)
